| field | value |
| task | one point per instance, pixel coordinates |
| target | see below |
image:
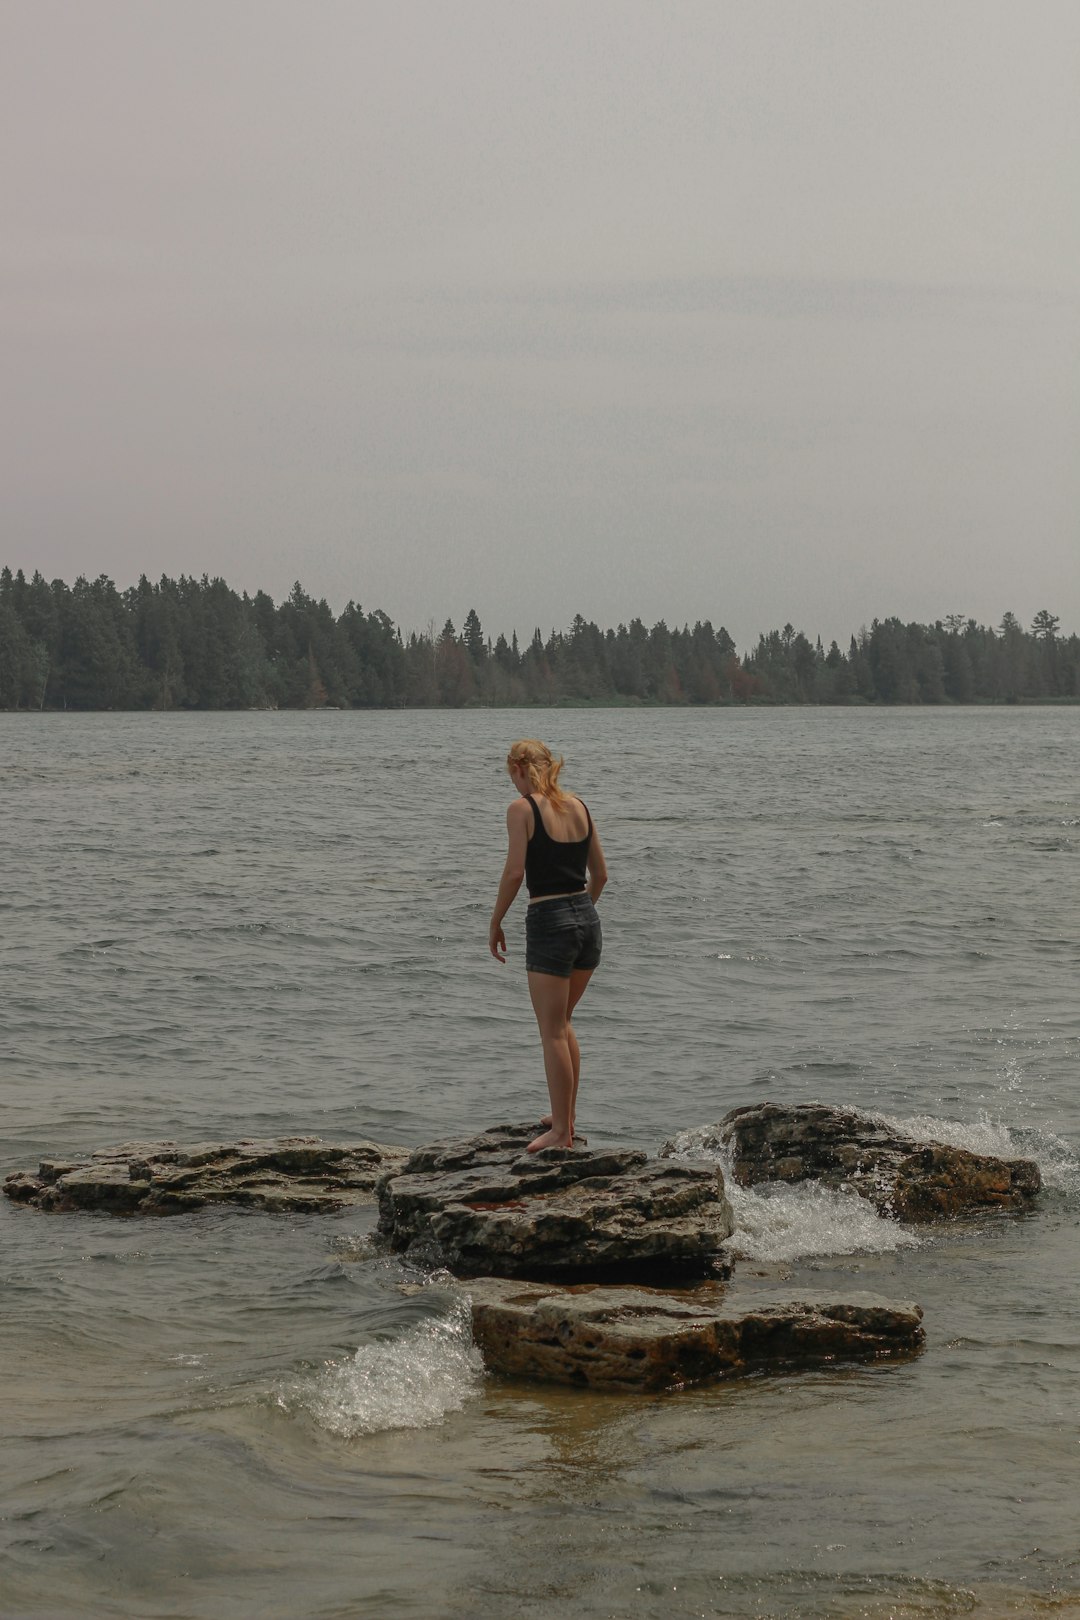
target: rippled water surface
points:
(221, 925)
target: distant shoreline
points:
(570, 704)
(198, 645)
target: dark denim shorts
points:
(561, 935)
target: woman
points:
(554, 848)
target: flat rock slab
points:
(649, 1339)
(482, 1206)
(854, 1152)
(164, 1178)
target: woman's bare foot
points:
(550, 1139)
(546, 1119)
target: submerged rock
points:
(164, 1178)
(649, 1339)
(854, 1152)
(482, 1206)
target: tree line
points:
(197, 644)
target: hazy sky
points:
(755, 310)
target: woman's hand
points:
(518, 818)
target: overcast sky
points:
(753, 310)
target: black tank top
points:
(550, 866)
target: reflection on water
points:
(263, 924)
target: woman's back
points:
(567, 824)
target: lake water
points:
(254, 924)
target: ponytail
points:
(542, 768)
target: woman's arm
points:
(597, 867)
(517, 828)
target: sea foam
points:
(1057, 1161)
(777, 1222)
(410, 1382)
(781, 1222)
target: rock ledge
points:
(164, 1178)
(482, 1206)
(902, 1177)
(650, 1339)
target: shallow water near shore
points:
(260, 924)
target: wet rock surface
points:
(652, 1339)
(851, 1151)
(163, 1178)
(482, 1206)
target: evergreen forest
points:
(197, 644)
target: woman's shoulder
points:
(578, 811)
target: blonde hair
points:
(542, 768)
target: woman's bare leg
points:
(579, 980)
(579, 983)
(550, 998)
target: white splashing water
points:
(407, 1383)
(984, 1135)
(791, 1223)
(777, 1222)
(1057, 1161)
